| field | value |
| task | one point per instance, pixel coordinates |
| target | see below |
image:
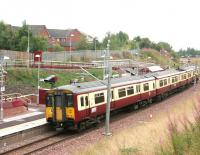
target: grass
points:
(185, 141)
(157, 58)
(28, 77)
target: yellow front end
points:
(59, 114)
(49, 113)
(70, 113)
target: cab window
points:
(69, 100)
(58, 100)
(49, 100)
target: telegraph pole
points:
(28, 48)
(107, 127)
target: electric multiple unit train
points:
(80, 104)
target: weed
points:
(129, 151)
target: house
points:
(67, 38)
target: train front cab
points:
(60, 108)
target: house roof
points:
(14, 28)
(36, 29)
(56, 33)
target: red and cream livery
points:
(79, 104)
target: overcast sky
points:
(174, 21)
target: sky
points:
(174, 21)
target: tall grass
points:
(185, 140)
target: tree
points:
(165, 46)
(57, 48)
(36, 42)
(145, 43)
(6, 37)
(84, 44)
(118, 41)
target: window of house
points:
(122, 92)
(146, 86)
(130, 90)
(82, 101)
(137, 88)
(99, 98)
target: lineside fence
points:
(65, 59)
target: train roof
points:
(165, 73)
(121, 81)
(97, 85)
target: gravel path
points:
(124, 121)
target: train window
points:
(154, 86)
(86, 100)
(69, 100)
(122, 92)
(176, 78)
(173, 79)
(185, 76)
(165, 81)
(49, 100)
(169, 80)
(112, 94)
(82, 101)
(137, 88)
(161, 83)
(130, 90)
(146, 86)
(58, 100)
(99, 98)
(189, 75)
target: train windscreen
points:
(58, 100)
(69, 100)
(49, 100)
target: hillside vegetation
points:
(163, 59)
(29, 77)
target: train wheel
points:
(81, 126)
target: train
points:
(79, 105)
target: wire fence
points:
(65, 57)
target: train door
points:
(58, 108)
(87, 105)
(84, 103)
(69, 106)
(112, 101)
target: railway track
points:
(40, 144)
(44, 143)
